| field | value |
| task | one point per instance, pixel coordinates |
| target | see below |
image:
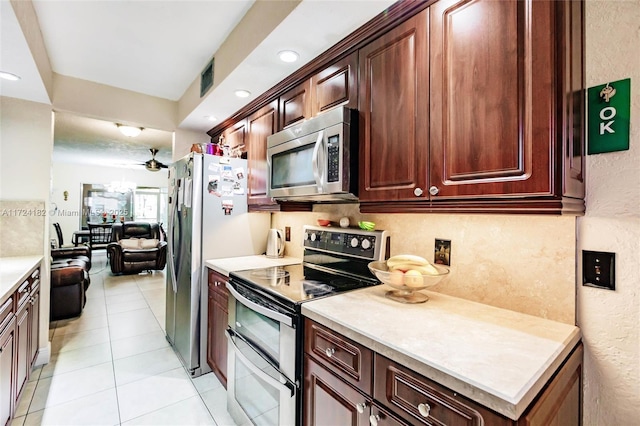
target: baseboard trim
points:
(44, 355)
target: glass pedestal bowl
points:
(407, 286)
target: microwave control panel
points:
(333, 158)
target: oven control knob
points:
(313, 237)
(366, 244)
(354, 242)
(306, 236)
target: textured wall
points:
(526, 264)
(610, 320)
(22, 228)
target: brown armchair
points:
(64, 253)
(136, 247)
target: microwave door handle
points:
(276, 316)
(315, 161)
(281, 384)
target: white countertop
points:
(496, 357)
(13, 271)
(230, 264)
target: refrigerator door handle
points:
(172, 224)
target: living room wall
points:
(26, 144)
(70, 177)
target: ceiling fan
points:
(154, 165)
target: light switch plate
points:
(599, 269)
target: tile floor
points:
(113, 365)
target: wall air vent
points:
(206, 78)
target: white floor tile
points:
(25, 399)
(206, 382)
(127, 306)
(122, 348)
(100, 408)
(119, 339)
(147, 364)
(67, 387)
(83, 339)
(153, 393)
(67, 361)
(124, 298)
(81, 323)
(216, 402)
(191, 411)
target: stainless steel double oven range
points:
(265, 333)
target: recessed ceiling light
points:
(243, 93)
(130, 131)
(9, 76)
(288, 56)
(210, 118)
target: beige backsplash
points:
(517, 262)
(21, 227)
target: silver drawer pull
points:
(424, 409)
(330, 352)
(361, 407)
(374, 419)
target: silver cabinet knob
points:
(434, 190)
(374, 419)
(424, 409)
(418, 192)
(361, 407)
(330, 352)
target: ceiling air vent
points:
(206, 78)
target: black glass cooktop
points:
(295, 284)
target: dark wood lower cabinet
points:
(218, 317)
(7, 357)
(329, 401)
(19, 336)
(400, 396)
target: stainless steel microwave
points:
(316, 160)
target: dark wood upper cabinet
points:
(393, 105)
(335, 85)
(235, 136)
(295, 104)
(492, 87)
(503, 106)
(261, 125)
(464, 106)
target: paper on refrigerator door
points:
(188, 192)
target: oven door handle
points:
(282, 385)
(276, 316)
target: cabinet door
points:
(235, 136)
(34, 324)
(23, 364)
(394, 101)
(294, 105)
(7, 355)
(261, 124)
(335, 85)
(328, 401)
(492, 98)
(217, 320)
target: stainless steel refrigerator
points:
(208, 219)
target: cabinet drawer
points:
(419, 400)
(22, 294)
(6, 313)
(347, 359)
